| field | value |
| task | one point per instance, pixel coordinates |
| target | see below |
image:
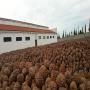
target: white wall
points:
(15, 45)
(46, 41)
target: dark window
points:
(43, 37)
(50, 36)
(7, 39)
(53, 36)
(18, 38)
(27, 38)
(39, 37)
(47, 37)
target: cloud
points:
(63, 14)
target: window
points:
(39, 37)
(43, 37)
(27, 38)
(7, 39)
(47, 37)
(18, 38)
(53, 36)
(50, 36)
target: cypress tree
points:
(63, 35)
(74, 32)
(71, 33)
(89, 26)
(85, 28)
(82, 32)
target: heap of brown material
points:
(61, 66)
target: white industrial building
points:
(16, 35)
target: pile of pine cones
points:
(60, 66)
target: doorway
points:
(35, 43)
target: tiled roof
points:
(4, 27)
(5, 19)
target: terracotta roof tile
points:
(22, 29)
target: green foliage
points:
(82, 32)
(89, 26)
(63, 35)
(85, 28)
(75, 32)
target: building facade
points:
(15, 35)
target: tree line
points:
(75, 32)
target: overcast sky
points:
(63, 14)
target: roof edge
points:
(7, 19)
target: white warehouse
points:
(16, 35)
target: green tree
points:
(63, 35)
(76, 32)
(89, 26)
(82, 32)
(85, 28)
(71, 33)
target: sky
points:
(61, 14)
